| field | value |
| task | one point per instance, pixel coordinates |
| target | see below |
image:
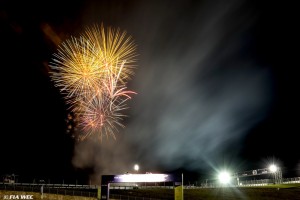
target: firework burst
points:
(76, 68)
(113, 47)
(91, 72)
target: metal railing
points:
(91, 190)
(82, 190)
(53, 185)
(245, 183)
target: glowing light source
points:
(136, 167)
(224, 177)
(273, 168)
(129, 178)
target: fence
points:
(91, 190)
(124, 197)
(245, 183)
(52, 189)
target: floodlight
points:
(224, 177)
(273, 168)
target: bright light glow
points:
(129, 178)
(224, 177)
(273, 168)
(136, 167)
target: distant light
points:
(273, 168)
(136, 167)
(224, 177)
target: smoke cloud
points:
(200, 88)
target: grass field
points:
(272, 192)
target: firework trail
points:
(91, 71)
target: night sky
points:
(215, 81)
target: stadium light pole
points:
(13, 175)
(276, 172)
(182, 186)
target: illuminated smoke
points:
(200, 88)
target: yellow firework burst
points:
(114, 48)
(92, 71)
(82, 63)
(76, 68)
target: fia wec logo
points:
(21, 196)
